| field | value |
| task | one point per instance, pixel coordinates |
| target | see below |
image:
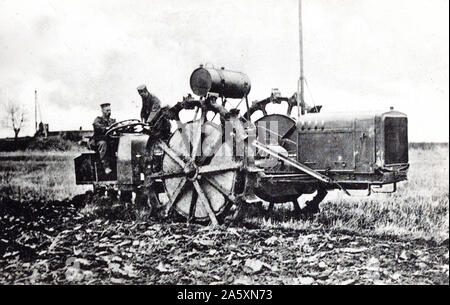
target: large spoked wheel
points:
(201, 175)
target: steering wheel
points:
(127, 126)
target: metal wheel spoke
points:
(176, 194)
(210, 151)
(193, 206)
(218, 187)
(205, 202)
(172, 154)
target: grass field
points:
(36, 174)
(419, 208)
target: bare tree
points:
(14, 118)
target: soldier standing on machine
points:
(156, 117)
(150, 104)
(99, 142)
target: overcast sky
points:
(359, 54)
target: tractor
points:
(221, 160)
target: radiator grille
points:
(396, 140)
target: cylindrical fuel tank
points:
(226, 83)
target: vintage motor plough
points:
(221, 158)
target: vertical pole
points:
(248, 108)
(35, 110)
(300, 89)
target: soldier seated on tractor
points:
(99, 142)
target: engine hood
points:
(335, 120)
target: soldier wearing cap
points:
(150, 104)
(99, 141)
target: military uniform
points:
(156, 117)
(150, 106)
(99, 141)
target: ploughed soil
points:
(58, 242)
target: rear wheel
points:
(201, 175)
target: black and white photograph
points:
(224, 148)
